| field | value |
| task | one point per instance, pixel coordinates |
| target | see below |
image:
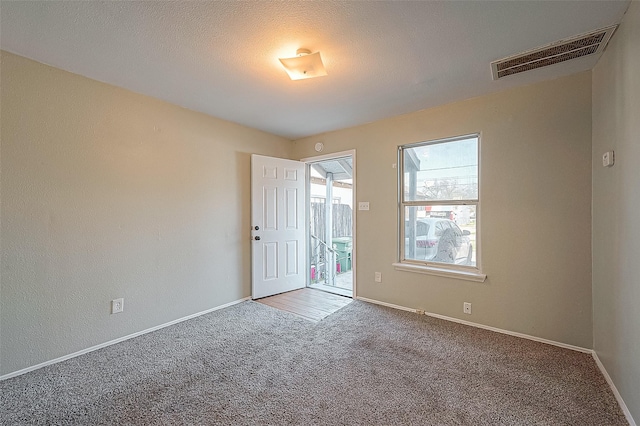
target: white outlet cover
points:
(117, 306)
(363, 205)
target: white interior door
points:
(277, 221)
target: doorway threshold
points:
(331, 289)
(307, 303)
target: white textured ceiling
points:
(221, 58)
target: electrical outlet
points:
(378, 277)
(117, 306)
(466, 308)
(420, 311)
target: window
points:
(439, 205)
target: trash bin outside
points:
(343, 247)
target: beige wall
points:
(616, 210)
(107, 194)
(536, 208)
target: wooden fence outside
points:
(342, 220)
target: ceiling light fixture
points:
(304, 65)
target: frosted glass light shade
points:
(305, 65)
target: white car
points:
(438, 240)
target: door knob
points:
(257, 228)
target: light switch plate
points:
(608, 159)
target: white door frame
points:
(354, 203)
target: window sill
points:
(441, 272)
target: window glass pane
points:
(442, 171)
(444, 234)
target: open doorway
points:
(331, 223)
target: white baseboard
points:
(623, 406)
(485, 327)
(118, 340)
(513, 333)
(390, 305)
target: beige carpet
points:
(251, 364)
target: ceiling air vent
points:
(560, 51)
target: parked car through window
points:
(440, 240)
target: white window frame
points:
(465, 272)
